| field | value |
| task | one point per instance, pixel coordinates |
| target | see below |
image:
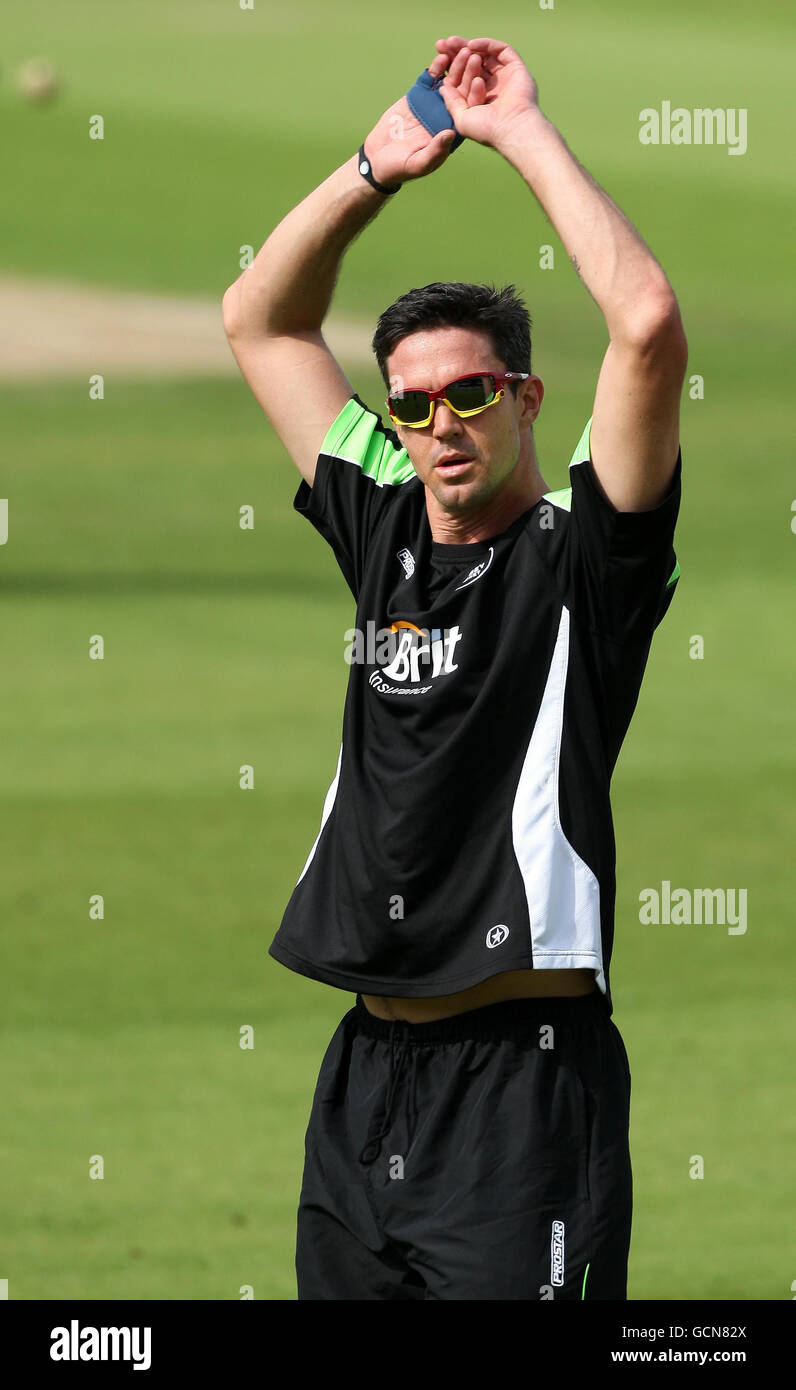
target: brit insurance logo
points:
(408, 659)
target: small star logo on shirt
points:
(496, 935)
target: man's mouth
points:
(453, 464)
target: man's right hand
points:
(400, 148)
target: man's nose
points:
(446, 421)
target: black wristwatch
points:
(363, 164)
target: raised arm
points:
(274, 311)
(492, 98)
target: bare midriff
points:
(513, 984)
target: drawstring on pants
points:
(372, 1146)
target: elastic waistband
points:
(489, 1021)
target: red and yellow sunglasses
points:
(467, 395)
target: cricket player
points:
(468, 1137)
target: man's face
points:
(491, 442)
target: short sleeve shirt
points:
(467, 830)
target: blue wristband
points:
(428, 107)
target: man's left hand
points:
(488, 88)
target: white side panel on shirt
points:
(562, 893)
(327, 811)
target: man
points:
(469, 1130)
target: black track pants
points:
(483, 1156)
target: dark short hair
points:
(499, 313)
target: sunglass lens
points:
(471, 392)
(411, 407)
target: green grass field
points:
(120, 1037)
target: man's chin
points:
(460, 496)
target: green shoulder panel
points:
(583, 446)
(356, 437)
(561, 498)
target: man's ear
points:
(531, 393)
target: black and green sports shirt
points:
(467, 830)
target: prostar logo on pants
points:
(557, 1253)
(74, 1343)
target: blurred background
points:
(224, 647)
